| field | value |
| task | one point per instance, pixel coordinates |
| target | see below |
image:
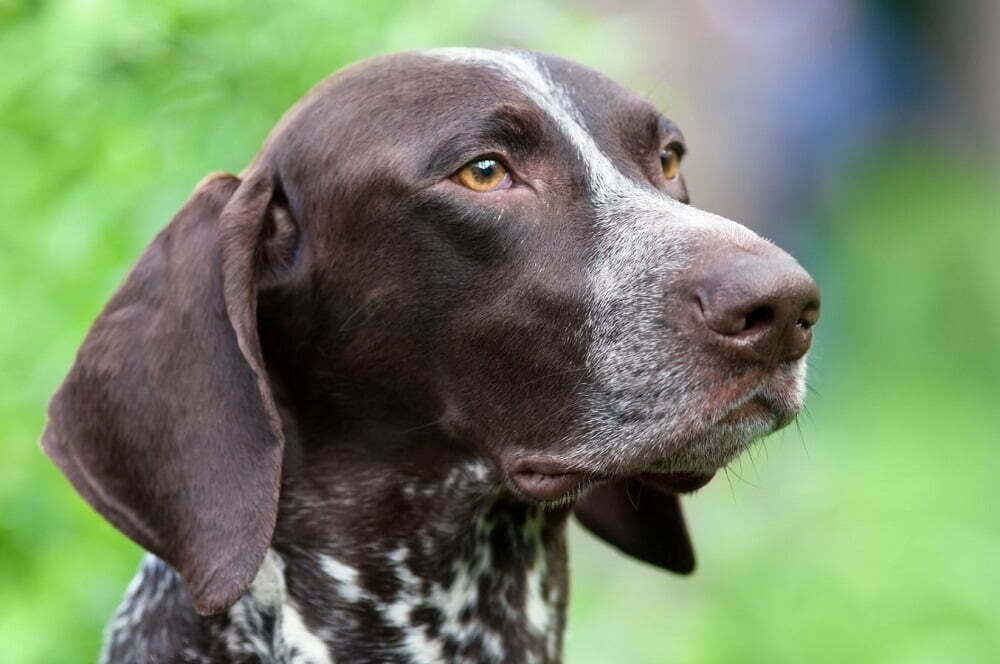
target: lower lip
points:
(548, 487)
(555, 487)
(749, 409)
(677, 482)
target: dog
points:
(349, 399)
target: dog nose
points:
(761, 306)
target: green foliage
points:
(871, 542)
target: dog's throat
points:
(481, 578)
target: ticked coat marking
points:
(367, 400)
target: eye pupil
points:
(670, 162)
(484, 170)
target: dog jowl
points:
(348, 399)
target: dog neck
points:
(438, 567)
(445, 567)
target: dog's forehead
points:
(418, 94)
(532, 72)
(481, 72)
(567, 93)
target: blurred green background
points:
(861, 135)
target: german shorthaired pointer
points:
(349, 398)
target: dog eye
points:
(670, 162)
(484, 175)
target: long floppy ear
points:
(641, 520)
(166, 423)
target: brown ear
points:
(166, 423)
(640, 520)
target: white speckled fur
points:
(142, 594)
(345, 576)
(640, 233)
(292, 642)
(462, 593)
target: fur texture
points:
(348, 404)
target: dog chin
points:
(674, 463)
(726, 437)
(727, 440)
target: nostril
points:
(733, 318)
(759, 317)
(809, 315)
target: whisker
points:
(802, 438)
(743, 479)
(554, 374)
(560, 410)
(361, 307)
(732, 491)
(628, 494)
(753, 461)
(423, 426)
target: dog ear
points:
(166, 423)
(641, 520)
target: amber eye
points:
(670, 162)
(483, 175)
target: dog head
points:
(496, 245)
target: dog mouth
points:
(754, 408)
(548, 480)
(545, 480)
(755, 414)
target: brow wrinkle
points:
(506, 128)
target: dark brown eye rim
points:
(484, 174)
(670, 161)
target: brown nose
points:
(760, 306)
